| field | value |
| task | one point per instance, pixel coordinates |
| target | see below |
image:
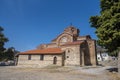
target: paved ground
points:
(58, 73)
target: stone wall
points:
(92, 51)
(81, 38)
(36, 62)
(72, 55)
(51, 46)
(119, 63)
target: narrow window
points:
(29, 57)
(55, 60)
(41, 57)
(68, 51)
(67, 56)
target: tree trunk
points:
(101, 56)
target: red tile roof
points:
(73, 43)
(44, 51)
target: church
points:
(67, 49)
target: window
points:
(64, 39)
(29, 57)
(89, 43)
(67, 56)
(41, 57)
(68, 51)
(55, 60)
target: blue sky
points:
(28, 23)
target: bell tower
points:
(73, 31)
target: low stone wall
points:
(119, 63)
(36, 62)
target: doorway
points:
(55, 60)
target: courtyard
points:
(53, 72)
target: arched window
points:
(29, 57)
(64, 39)
(55, 60)
(41, 57)
(68, 51)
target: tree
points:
(3, 39)
(107, 24)
(10, 53)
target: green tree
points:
(107, 24)
(10, 53)
(3, 39)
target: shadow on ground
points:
(112, 69)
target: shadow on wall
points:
(87, 55)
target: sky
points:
(29, 23)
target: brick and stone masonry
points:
(67, 49)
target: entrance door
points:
(55, 60)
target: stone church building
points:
(67, 49)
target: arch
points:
(55, 60)
(60, 41)
(68, 50)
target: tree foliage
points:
(3, 40)
(6, 54)
(107, 24)
(10, 53)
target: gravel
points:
(57, 73)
